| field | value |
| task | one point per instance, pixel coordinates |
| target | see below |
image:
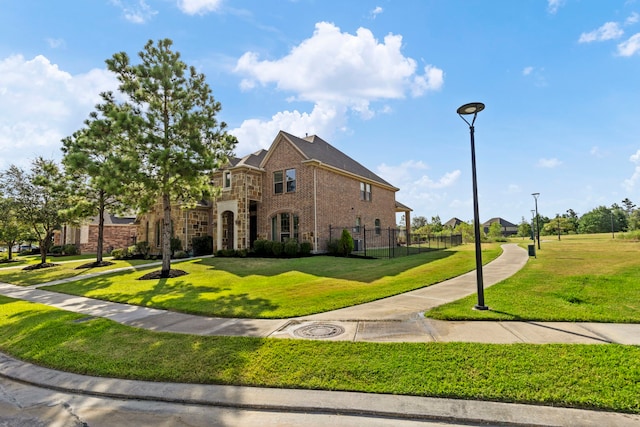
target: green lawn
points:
(279, 288)
(591, 278)
(608, 377)
(64, 270)
(24, 260)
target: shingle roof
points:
(315, 148)
(503, 222)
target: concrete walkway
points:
(396, 318)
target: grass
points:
(24, 260)
(65, 270)
(583, 278)
(608, 377)
(279, 288)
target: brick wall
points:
(115, 237)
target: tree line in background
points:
(157, 139)
(614, 219)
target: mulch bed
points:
(39, 266)
(154, 275)
(95, 264)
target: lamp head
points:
(471, 108)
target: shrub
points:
(332, 247)
(260, 247)
(180, 255)
(291, 248)
(305, 248)
(345, 244)
(70, 249)
(202, 245)
(117, 253)
(268, 248)
(277, 248)
(175, 245)
(55, 250)
(143, 249)
(226, 253)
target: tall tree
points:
(628, 206)
(170, 115)
(418, 222)
(524, 228)
(40, 199)
(12, 230)
(95, 160)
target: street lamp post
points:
(535, 196)
(558, 218)
(533, 226)
(474, 108)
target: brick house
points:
(119, 232)
(295, 189)
(507, 228)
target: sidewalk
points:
(396, 318)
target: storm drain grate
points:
(319, 330)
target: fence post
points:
(364, 239)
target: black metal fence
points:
(380, 242)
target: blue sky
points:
(380, 80)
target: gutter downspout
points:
(315, 210)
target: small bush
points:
(291, 248)
(277, 249)
(180, 255)
(332, 247)
(268, 248)
(345, 244)
(143, 249)
(56, 250)
(305, 248)
(70, 249)
(260, 247)
(117, 253)
(175, 245)
(226, 253)
(202, 245)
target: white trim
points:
(223, 206)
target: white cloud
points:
(377, 11)
(254, 134)
(630, 183)
(341, 68)
(632, 19)
(513, 189)
(549, 163)
(199, 7)
(608, 31)
(630, 47)
(527, 70)
(135, 11)
(338, 72)
(55, 43)
(554, 5)
(41, 104)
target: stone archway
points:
(228, 231)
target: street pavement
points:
(398, 318)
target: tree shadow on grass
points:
(176, 295)
(358, 269)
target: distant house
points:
(119, 232)
(453, 223)
(296, 189)
(507, 228)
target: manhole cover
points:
(319, 330)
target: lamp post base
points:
(480, 307)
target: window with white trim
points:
(365, 191)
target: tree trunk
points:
(166, 236)
(100, 228)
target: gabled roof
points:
(453, 222)
(503, 222)
(314, 148)
(251, 160)
(112, 219)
